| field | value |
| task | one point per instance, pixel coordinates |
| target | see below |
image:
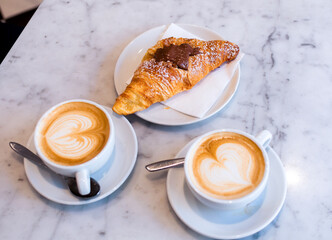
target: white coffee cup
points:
(227, 169)
(69, 133)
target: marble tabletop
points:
(69, 50)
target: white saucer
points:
(131, 57)
(228, 224)
(110, 177)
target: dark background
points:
(10, 30)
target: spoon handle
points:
(164, 164)
(26, 153)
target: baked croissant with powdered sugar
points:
(172, 66)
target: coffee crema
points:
(227, 165)
(73, 133)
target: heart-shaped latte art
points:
(74, 135)
(227, 165)
(229, 171)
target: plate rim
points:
(247, 233)
(191, 120)
(101, 196)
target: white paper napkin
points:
(174, 30)
(198, 100)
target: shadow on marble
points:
(69, 208)
(90, 206)
(153, 176)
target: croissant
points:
(171, 66)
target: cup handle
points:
(264, 138)
(83, 182)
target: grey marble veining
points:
(69, 50)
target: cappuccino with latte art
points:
(75, 138)
(227, 165)
(73, 133)
(228, 168)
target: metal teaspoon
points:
(164, 164)
(71, 181)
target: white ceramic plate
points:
(228, 224)
(131, 57)
(110, 177)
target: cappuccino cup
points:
(75, 138)
(227, 169)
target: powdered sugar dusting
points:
(162, 77)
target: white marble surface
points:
(69, 50)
